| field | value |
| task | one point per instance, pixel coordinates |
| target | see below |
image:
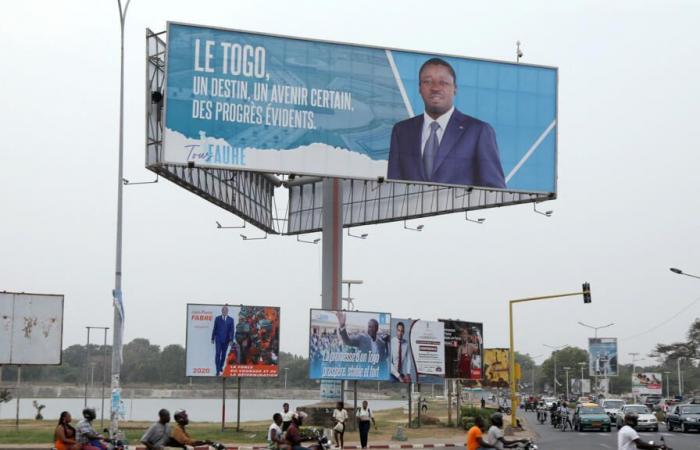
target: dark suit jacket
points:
(223, 331)
(468, 153)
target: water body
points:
(199, 410)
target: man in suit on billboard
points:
(222, 336)
(443, 145)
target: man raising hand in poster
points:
(365, 342)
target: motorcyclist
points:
(627, 437)
(554, 412)
(86, 435)
(564, 414)
(178, 434)
(495, 437)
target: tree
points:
(172, 364)
(567, 357)
(141, 361)
(689, 349)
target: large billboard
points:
(250, 101)
(232, 341)
(602, 353)
(645, 383)
(349, 345)
(417, 351)
(580, 386)
(464, 349)
(496, 367)
(31, 328)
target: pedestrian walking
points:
(365, 418)
(340, 416)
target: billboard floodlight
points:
(315, 241)
(221, 227)
(126, 182)
(418, 228)
(246, 238)
(480, 220)
(358, 236)
(547, 213)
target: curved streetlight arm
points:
(680, 272)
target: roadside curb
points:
(350, 447)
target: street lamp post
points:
(566, 369)
(286, 369)
(634, 359)
(680, 272)
(667, 381)
(582, 365)
(554, 355)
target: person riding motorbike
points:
(564, 416)
(86, 436)
(178, 434)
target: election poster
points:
(349, 345)
(645, 383)
(602, 357)
(417, 351)
(232, 341)
(496, 368)
(251, 101)
(464, 349)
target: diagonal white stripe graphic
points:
(399, 83)
(531, 150)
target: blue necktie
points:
(430, 150)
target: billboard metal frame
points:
(251, 195)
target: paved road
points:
(551, 439)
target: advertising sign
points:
(417, 351)
(645, 383)
(232, 341)
(496, 368)
(580, 386)
(250, 101)
(349, 345)
(31, 328)
(464, 349)
(602, 357)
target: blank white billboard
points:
(31, 328)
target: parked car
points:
(590, 416)
(645, 419)
(612, 407)
(686, 417)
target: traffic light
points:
(586, 292)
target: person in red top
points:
(475, 440)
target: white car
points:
(612, 407)
(645, 419)
(549, 401)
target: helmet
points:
(180, 414)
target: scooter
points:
(529, 445)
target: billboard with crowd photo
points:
(349, 345)
(259, 102)
(603, 357)
(417, 351)
(232, 340)
(464, 349)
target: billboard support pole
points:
(332, 235)
(410, 405)
(238, 405)
(420, 406)
(19, 381)
(449, 401)
(354, 400)
(223, 403)
(104, 379)
(459, 402)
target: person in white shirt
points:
(286, 416)
(340, 416)
(495, 437)
(628, 439)
(275, 441)
(364, 417)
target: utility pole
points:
(566, 369)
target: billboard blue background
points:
(519, 101)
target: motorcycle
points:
(529, 445)
(564, 421)
(541, 416)
(322, 442)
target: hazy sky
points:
(627, 210)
